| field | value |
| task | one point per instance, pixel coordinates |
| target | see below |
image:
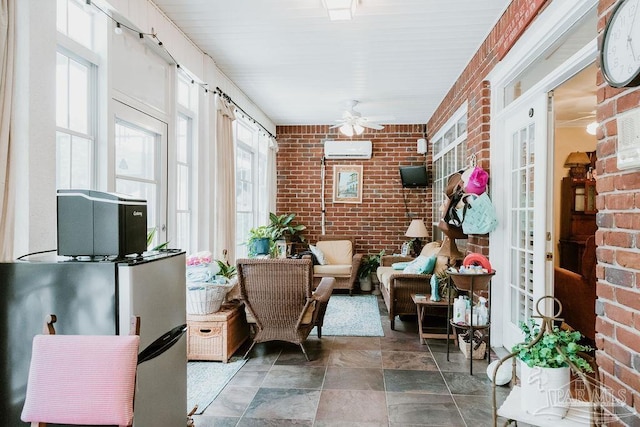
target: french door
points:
(528, 276)
(140, 163)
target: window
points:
(184, 167)
(449, 156)
(76, 97)
(186, 97)
(252, 194)
(75, 20)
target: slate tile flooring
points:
(357, 382)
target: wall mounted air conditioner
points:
(347, 149)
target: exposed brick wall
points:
(618, 241)
(473, 89)
(380, 221)
(618, 202)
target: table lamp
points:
(577, 162)
(417, 230)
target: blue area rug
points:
(205, 380)
(356, 316)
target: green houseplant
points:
(547, 355)
(282, 227)
(368, 266)
(260, 241)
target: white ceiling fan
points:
(352, 122)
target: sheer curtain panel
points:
(7, 201)
(224, 213)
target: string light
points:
(118, 30)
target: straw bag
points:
(479, 216)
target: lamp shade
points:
(577, 158)
(417, 229)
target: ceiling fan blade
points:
(336, 126)
(366, 124)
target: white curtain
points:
(224, 213)
(7, 189)
(272, 174)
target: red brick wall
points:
(473, 89)
(618, 241)
(380, 221)
(618, 236)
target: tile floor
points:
(357, 381)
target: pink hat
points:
(475, 180)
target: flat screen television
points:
(414, 176)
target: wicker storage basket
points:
(465, 348)
(205, 298)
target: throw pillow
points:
(430, 265)
(399, 265)
(419, 265)
(318, 253)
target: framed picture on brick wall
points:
(347, 184)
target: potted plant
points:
(368, 266)
(282, 227)
(260, 241)
(546, 356)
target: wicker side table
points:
(218, 335)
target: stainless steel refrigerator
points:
(97, 297)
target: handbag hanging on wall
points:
(479, 214)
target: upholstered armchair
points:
(341, 261)
(278, 295)
(396, 287)
(577, 292)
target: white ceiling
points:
(397, 57)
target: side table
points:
(422, 302)
(218, 335)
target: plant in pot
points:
(260, 241)
(282, 227)
(368, 267)
(547, 355)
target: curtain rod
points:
(228, 98)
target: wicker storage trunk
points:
(218, 335)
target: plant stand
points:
(580, 412)
(471, 283)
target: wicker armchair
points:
(277, 293)
(342, 261)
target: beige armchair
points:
(396, 287)
(278, 295)
(342, 262)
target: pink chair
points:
(82, 379)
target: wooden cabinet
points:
(577, 220)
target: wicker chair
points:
(342, 261)
(278, 294)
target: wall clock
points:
(620, 51)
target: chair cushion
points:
(332, 270)
(431, 248)
(336, 251)
(400, 265)
(82, 379)
(384, 273)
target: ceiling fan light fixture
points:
(340, 10)
(592, 127)
(358, 129)
(346, 129)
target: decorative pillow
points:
(421, 265)
(318, 254)
(399, 265)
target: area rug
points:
(205, 380)
(356, 316)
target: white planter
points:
(545, 391)
(365, 284)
